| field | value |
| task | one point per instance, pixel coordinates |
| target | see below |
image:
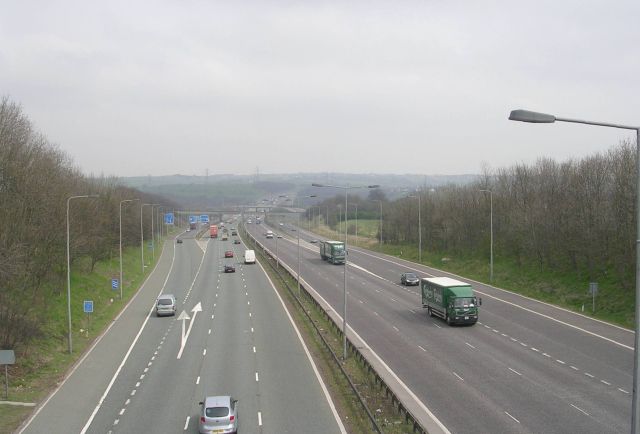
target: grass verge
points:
(44, 363)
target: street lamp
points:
(69, 268)
(419, 226)
(491, 228)
(543, 118)
(121, 202)
(346, 189)
(380, 202)
(301, 201)
(153, 235)
(142, 234)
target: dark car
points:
(236, 241)
(229, 268)
(409, 279)
(179, 241)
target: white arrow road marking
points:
(197, 308)
(183, 317)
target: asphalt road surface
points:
(148, 374)
(525, 367)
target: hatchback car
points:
(179, 241)
(166, 305)
(236, 241)
(228, 254)
(219, 414)
(409, 279)
(229, 268)
(313, 241)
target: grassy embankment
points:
(560, 287)
(44, 363)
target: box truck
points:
(332, 251)
(214, 231)
(450, 299)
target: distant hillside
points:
(216, 190)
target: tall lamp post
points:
(121, 282)
(380, 202)
(419, 226)
(69, 268)
(543, 118)
(491, 229)
(346, 189)
(142, 235)
(302, 206)
(153, 234)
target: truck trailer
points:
(213, 231)
(450, 299)
(332, 251)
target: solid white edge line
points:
(95, 343)
(379, 359)
(126, 356)
(306, 351)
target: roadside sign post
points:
(169, 218)
(593, 290)
(7, 357)
(115, 284)
(88, 309)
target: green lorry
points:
(332, 251)
(450, 299)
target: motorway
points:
(525, 367)
(148, 373)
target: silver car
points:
(166, 305)
(219, 414)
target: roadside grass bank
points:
(43, 364)
(567, 289)
(351, 384)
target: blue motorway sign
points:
(88, 306)
(193, 219)
(204, 218)
(114, 284)
(168, 218)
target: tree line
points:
(36, 179)
(576, 215)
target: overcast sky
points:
(162, 87)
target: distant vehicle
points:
(188, 229)
(249, 221)
(279, 236)
(332, 251)
(234, 232)
(409, 279)
(219, 414)
(236, 241)
(229, 268)
(179, 240)
(258, 220)
(249, 257)
(281, 224)
(293, 229)
(228, 254)
(193, 225)
(450, 299)
(313, 241)
(213, 230)
(269, 234)
(166, 305)
(225, 237)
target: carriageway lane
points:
(557, 387)
(219, 358)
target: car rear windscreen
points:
(165, 301)
(217, 411)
